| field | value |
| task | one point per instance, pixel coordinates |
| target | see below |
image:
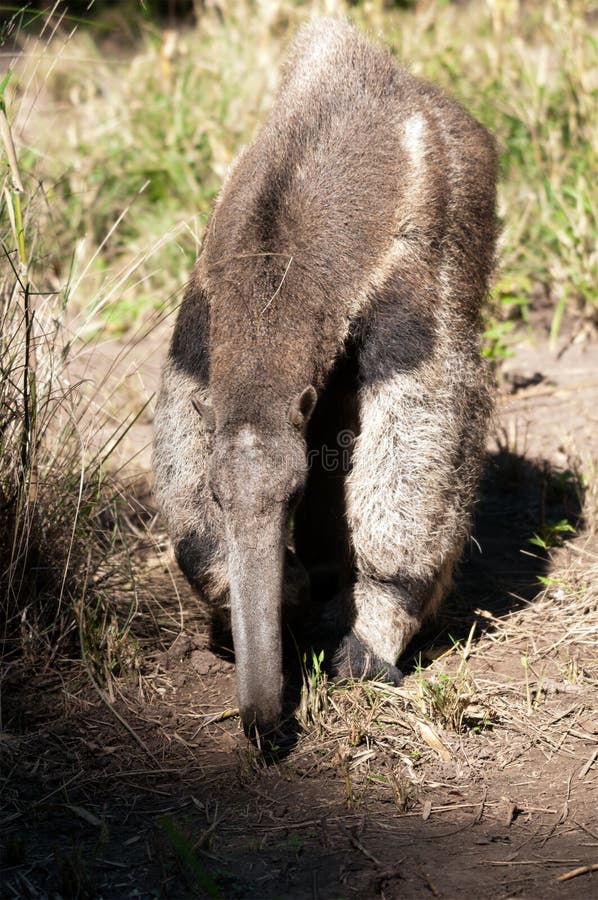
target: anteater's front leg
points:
(424, 406)
(182, 450)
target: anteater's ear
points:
(205, 410)
(302, 407)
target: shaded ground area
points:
(89, 813)
(479, 775)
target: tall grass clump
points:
(63, 556)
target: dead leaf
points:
(433, 740)
(84, 814)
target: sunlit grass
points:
(528, 72)
(131, 144)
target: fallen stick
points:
(589, 764)
(581, 870)
(220, 716)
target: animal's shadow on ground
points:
(502, 568)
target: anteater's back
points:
(361, 170)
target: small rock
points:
(202, 661)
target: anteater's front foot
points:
(354, 659)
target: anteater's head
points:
(257, 474)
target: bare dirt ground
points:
(478, 776)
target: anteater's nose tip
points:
(263, 728)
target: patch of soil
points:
(154, 791)
(90, 812)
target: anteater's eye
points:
(216, 498)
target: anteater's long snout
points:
(255, 568)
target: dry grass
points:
(450, 708)
(68, 570)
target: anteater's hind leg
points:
(423, 410)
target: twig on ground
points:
(580, 870)
(584, 771)
(220, 716)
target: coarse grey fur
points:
(345, 262)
